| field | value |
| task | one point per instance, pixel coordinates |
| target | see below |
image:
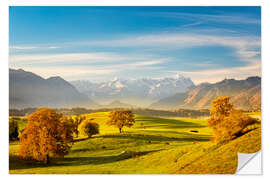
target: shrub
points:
(89, 128)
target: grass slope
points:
(151, 146)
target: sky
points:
(206, 44)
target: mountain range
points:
(27, 89)
(244, 94)
(140, 92)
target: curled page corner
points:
(249, 163)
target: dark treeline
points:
(174, 113)
(140, 111)
(21, 112)
(64, 111)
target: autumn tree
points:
(46, 134)
(89, 128)
(227, 122)
(121, 118)
(77, 120)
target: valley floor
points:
(151, 146)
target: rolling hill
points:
(27, 89)
(244, 94)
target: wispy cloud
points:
(86, 72)
(217, 18)
(83, 57)
(247, 49)
(69, 65)
(68, 72)
(215, 75)
(245, 46)
(23, 47)
(29, 47)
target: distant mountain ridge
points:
(27, 89)
(141, 92)
(117, 104)
(244, 94)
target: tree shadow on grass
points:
(159, 137)
(96, 160)
(16, 162)
(167, 123)
(178, 135)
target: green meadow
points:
(152, 146)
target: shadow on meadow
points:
(16, 162)
(144, 137)
(166, 123)
(141, 137)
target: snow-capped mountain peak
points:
(127, 90)
(179, 76)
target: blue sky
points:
(100, 43)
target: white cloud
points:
(53, 47)
(68, 67)
(23, 47)
(243, 46)
(247, 48)
(68, 72)
(76, 57)
(218, 18)
(215, 75)
(176, 40)
(28, 47)
(149, 63)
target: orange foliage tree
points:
(227, 122)
(221, 107)
(46, 134)
(121, 118)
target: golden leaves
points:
(121, 118)
(226, 122)
(46, 133)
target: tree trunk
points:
(47, 160)
(120, 130)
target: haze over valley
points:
(30, 90)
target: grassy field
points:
(151, 146)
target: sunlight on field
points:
(152, 145)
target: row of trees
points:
(49, 133)
(141, 111)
